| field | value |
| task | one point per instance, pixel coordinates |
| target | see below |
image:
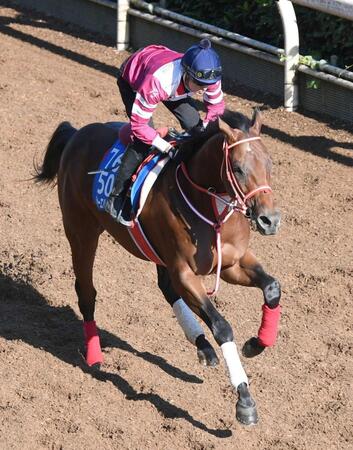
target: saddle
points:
(144, 178)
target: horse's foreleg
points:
(193, 291)
(187, 320)
(249, 272)
(83, 247)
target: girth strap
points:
(142, 243)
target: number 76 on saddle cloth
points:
(104, 180)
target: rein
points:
(238, 203)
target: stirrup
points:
(124, 216)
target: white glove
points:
(161, 144)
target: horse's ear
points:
(256, 121)
(230, 134)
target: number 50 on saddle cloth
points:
(146, 175)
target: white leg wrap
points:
(237, 374)
(187, 320)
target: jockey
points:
(157, 74)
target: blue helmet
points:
(202, 63)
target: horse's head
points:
(246, 173)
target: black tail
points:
(47, 172)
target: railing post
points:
(291, 53)
(122, 25)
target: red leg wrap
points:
(269, 325)
(93, 347)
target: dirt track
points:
(151, 393)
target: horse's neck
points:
(205, 166)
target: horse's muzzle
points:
(268, 224)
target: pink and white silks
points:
(155, 73)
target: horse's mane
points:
(233, 119)
(237, 120)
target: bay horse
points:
(193, 238)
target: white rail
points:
(243, 44)
(122, 25)
(197, 34)
(341, 8)
(291, 50)
(197, 24)
(106, 3)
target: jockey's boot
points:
(117, 201)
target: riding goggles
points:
(209, 74)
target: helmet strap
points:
(186, 77)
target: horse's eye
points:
(237, 170)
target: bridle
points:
(239, 194)
(238, 202)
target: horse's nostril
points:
(265, 221)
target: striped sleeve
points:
(213, 98)
(141, 113)
(145, 104)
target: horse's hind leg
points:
(83, 241)
(187, 320)
(249, 272)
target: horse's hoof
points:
(96, 367)
(252, 348)
(207, 357)
(205, 352)
(246, 415)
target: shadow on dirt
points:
(316, 145)
(30, 16)
(25, 315)
(40, 21)
(35, 19)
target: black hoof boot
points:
(252, 348)
(95, 367)
(246, 415)
(206, 353)
(246, 412)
